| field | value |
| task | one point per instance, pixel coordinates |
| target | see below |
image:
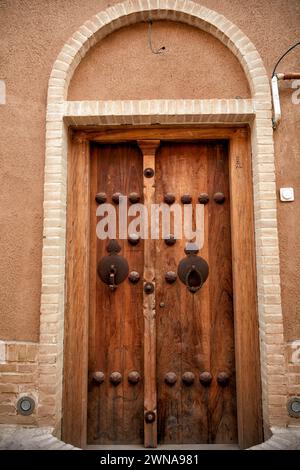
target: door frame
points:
(246, 330)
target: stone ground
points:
(13, 437)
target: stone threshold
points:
(16, 437)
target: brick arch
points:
(134, 11)
(255, 111)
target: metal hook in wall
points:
(155, 51)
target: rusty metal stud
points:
(219, 198)
(203, 198)
(188, 378)
(170, 240)
(170, 277)
(134, 198)
(115, 378)
(116, 197)
(223, 379)
(149, 417)
(170, 378)
(98, 377)
(133, 239)
(134, 377)
(205, 378)
(186, 199)
(134, 277)
(100, 198)
(149, 288)
(148, 172)
(169, 198)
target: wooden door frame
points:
(248, 382)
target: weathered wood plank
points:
(148, 149)
(244, 285)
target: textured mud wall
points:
(122, 66)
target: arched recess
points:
(255, 111)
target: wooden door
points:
(170, 332)
(115, 411)
(195, 331)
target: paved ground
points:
(14, 437)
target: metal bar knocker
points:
(193, 270)
(113, 268)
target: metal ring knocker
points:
(113, 268)
(193, 270)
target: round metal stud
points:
(293, 406)
(100, 198)
(161, 304)
(148, 288)
(219, 198)
(170, 240)
(170, 378)
(205, 378)
(148, 172)
(188, 378)
(186, 199)
(134, 377)
(25, 406)
(169, 198)
(134, 198)
(116, 198)
(203, 198)
(149, 417)
(170, 277)
(134, 277)
(133, 239)
(115, 378)
(98, 377)
(223, 379)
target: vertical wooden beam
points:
(148, 149)
(244, 284)
(77, 296)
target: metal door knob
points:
(134, 377)
(170, 277)
(98, 377)
(223, 379)
(170, 378)
(134, 198)
(188, 378)
(100, 198)
(203, 198)
(133, 239)
(219, 198)
(149, 417)
(134, 277)
(205, 378)
(149, 288)
(186, 199)
(169, 198)
(115, 378)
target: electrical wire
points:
(155, 51)
(283, 55)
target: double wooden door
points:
(161, 356)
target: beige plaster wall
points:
(32, 34)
